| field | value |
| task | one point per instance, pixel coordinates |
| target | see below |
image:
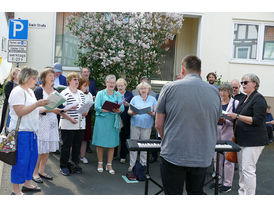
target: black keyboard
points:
(144, 145)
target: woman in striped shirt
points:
(72, 131)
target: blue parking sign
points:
(18, 29)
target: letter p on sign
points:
(18, 29)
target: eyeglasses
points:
(245, 82)
(235, 87)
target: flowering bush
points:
(124, 44)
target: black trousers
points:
(71, 139)
(174, 177)
(124, 135)
(269, 131)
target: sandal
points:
(31, 189)
(37, 179)
(100, 169)
(46, 176)
(111, 171)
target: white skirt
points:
(47, 135)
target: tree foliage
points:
(130, 45)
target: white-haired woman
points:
(107, 124)
(250, 133)
(24, 104)
(141, 124)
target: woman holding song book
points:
(141, 124)
(107, 123)
(72, 132)
(24, 105)
(47, 135)
(83, 86)
(225, 132)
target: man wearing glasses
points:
(236, 90)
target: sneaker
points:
(84, 160)
(123, 161)
(224, 189)
(64, 171)
(212, 186)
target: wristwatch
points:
(237, 116)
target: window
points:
(268, 43)
(253, 43)
(65, 42)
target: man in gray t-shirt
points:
(186, 118)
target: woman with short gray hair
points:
(107, 124)
(250, 132)
(141, 124)
(23, 103)
(225, 132)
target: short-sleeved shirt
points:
(72, 98)
(30, 121)
(192, 108)
(143, 120)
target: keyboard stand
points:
(216, 177)
(148, 178)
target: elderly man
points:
(59, 78)
(186, 119)
(237, 94)
(85, 72)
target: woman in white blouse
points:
(24, 104)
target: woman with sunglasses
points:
(250, 133)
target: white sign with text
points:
(17, 51)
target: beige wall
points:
(186, 41)
(40, 40)
(216, 49)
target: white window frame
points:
(260, 43)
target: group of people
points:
(187, 113)
(38, 135)
(189, 119)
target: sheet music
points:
(140, 111)
(85, 108)
(55, 99)
(68, 107)
(224, 115)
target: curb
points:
(1, 171)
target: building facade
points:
(230, 44)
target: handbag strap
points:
(18, 121)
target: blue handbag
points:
(139, 171)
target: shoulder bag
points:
(8, 142)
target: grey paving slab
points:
(93, 183)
